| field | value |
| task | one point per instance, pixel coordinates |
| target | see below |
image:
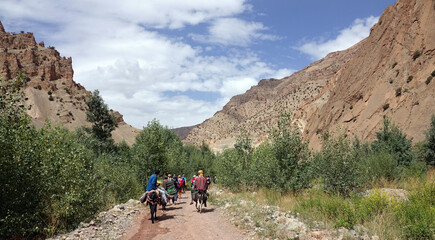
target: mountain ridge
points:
(345, 82)
(51, 93)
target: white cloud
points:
(117, 49)
(233, 31)
(348, 37)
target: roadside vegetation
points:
(345, 184)
(52, 178)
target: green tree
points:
(244, 148)
(337, 164)
(391, 139)
(103, 122)
(153, 150)
(292, 155)
(430, 143)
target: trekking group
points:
(171, 188)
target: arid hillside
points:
(383, 75)
(260, 107)
(51, 92)
(389, 75)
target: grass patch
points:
(381, 215)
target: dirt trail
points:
(183, 222)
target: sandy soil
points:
(182, 221)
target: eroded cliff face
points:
(51, 92)
(261, 106)
(386, 77)
(348, 89)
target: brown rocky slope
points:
(51, 92)
(386, 77)
(349, 89)
(260, 107)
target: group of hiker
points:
(172, 186)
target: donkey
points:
(201, 197)
(153, 199)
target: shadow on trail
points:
(172, 207)
(206, 210)
(165, 217)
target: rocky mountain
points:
(389, 75)
(386, 74)
(51, 92)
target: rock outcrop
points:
(387, 77)
(51, 92)
(384, 75)
(261, 106)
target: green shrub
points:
(398, 92)
(391, 139)
(337, 164)
(351, 107)
(292, 155)
(386, 106)
(264, 167)
(377, 165)
(229, 169)
(416, 55)
(430, 143)
(433, 74)
(50, 98)
(394, 65)
(417, 217)
(409, 79)
(428, 80)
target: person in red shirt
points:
(192, 191)
(201, 185)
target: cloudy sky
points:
(180, 61)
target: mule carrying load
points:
(199, 193)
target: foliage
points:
(416, 54)
(264, 167)
(428, 79)
(337, 164)
(229, 168)
(377, 165)
(391, 139)
(430, 143)
(417, 217)
(386, 106)
(103, 122)
(292, 156)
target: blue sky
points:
(181, 61)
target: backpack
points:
(171, 188)
(180, 183)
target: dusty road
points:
(183, 222)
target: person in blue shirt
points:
(152, 183)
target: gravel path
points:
(183, 222)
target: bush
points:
(292, 156)
(398, 92)
(428, 80)
(416, 55)
(337, 164)
(264, 167)
(409, 79)
(394, 65)
(386, 106)
(417, 216)
(430, 143)
(377, 165)
(392, 140)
